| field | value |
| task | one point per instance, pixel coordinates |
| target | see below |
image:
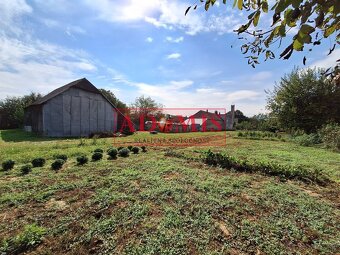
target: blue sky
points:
(137, 47)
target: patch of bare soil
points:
(172, 175)
(56, 204)
(224, 229)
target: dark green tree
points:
(305, 99)
(122, 108)
(12, 110)
(113, 99)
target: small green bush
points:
(8, 165)
(99, 150)
(124, 152)
(120, 147)
(143, 148)
(82, 159)
(57, 164)
(130, 147)
(135, 150)
(60, 156)
(30, 237)
(26, 169)
(112, 153)
(330, 135)
(97, 156)
(308, 140)
(38, 162)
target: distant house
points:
(201, 121)
(213, 121)
(76, 109)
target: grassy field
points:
(160, 203)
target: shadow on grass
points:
(18, 135)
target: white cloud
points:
(168, 14)
(11, 12)
(28, 64)
(174, 40)
(149, 39)
(71, 30)
(50, 23)
(60, 6)
(180, 94)
(261, 76)
(38, 66)
(174, 56)
(124, 11)
(329, 61)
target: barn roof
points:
(83, 84)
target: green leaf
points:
(240, 4)
(288, 16)
(297, 45)
(306, 29)
(282, 30)
(330, 30)
(235, 2)
(304, 38)
(207, 5)
(250, 16)
(256, 18)
(265, 6)
(320, 19)
(296, 3)
(281, 6)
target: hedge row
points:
(270, 168)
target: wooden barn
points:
(76, 109)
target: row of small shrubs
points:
(111, 152)
(258, 135)
(269, 168)
(60, 159)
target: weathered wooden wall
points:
(77, 112)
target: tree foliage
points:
(145, 107)
(12, 110)
(260, 122)
(113, 99)
(305, 99)
(122, 108)
(313, 20)
(240, 116)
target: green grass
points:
(149, 203)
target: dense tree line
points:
(304, 99)
(12, 110)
